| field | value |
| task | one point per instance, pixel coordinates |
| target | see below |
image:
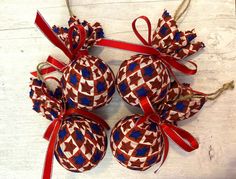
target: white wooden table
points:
(22, 47)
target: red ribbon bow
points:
(147, 48)
(71, 53)
(181, 137)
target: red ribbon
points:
(147, 48)
(71, 53)
(181, 137)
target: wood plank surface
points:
(22, 47)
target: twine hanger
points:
(178, 13)
(181, 9)
(69, 8)
(39, 67)
(209, 96)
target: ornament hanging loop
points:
(210, 96)
(39, 68)
(181, 9)
(69, 8)
(217, 93)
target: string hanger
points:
(181, 9)
(178, 13)
(40, 66)
(69, 8)
(210, 96)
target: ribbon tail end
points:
(34, 73)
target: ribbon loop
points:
(138, 34)
(45, 28)
(181, 137)
(82, 38)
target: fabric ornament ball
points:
(88, 82)
(147, 75)
(81, 144)
(140, 76)
(139, 147)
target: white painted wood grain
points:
(22, 46)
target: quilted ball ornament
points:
(88, 82)
(149, 75)
(81, 144)
(140, 76)
(139, 147)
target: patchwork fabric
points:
(94, 32)
(41, 102)
(81, 144)
(139, 147)
(169, 40)
(88, 83)
(172, 109)
(142, 75)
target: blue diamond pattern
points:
(142, 92)
(62, 133)
(79, 160)
(97, 157)
(100, 87)
(141, 152)
(121, 158)
(79, 135)
(152, 160)
(163, 30)
(96, 128)
(85, 101)
(180, 106)
(36, 106)
(135, 134)
(116, 136)
(85, 73)
(73, 79)
(132, 66)
(122, 87)
(148, 71)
